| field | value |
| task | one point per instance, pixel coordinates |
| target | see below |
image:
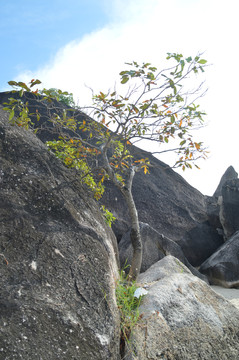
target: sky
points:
(78, 45)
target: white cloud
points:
(145, 30)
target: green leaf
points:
(124, 80)
(35, 82)
(11, 115)
(202, 61)
(23, 85)
(12, 83)
(189, 59)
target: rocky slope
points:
(58, 258)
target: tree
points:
(157, 107)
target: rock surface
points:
(230, 174)
(230, 294)
(222, 268)
(198, 243)
(183, 318)
(229, 207)
(155, 247)
(58, 259)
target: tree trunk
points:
(126, 191)
(135, 235)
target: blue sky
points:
(31, 32)
(75, 45)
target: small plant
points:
(128, 297)
(109, 217)
(61, 96)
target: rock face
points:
(230, 174)
(182, 318)
(222, 268)
(204, 239)
(58, 259)
(229, 207)
(155, 247)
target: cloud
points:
(142, 31)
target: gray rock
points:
(230, 174)
(229, 207)
(155, 247)
(200, 242)
(58, 259)
(167, 266)
(222, 268)
(181, 317)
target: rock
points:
(58, 258)
(222, 268)
(213, 209)
(155, 247)
(230, 174)
(230, 294)
(181, 317)
(229, 207)
(200, 242)
(167, 266)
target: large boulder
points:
(229, 207)
(222, 268)
(58, 258)
(181, 317)
(155, 247)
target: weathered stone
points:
(181, 317)
(167, 266)
(155, 247)
(213, 209)
(229, 207)
(57, 258)
(200, 242)
(230, 174)
(222, 268)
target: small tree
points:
(156, 107)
